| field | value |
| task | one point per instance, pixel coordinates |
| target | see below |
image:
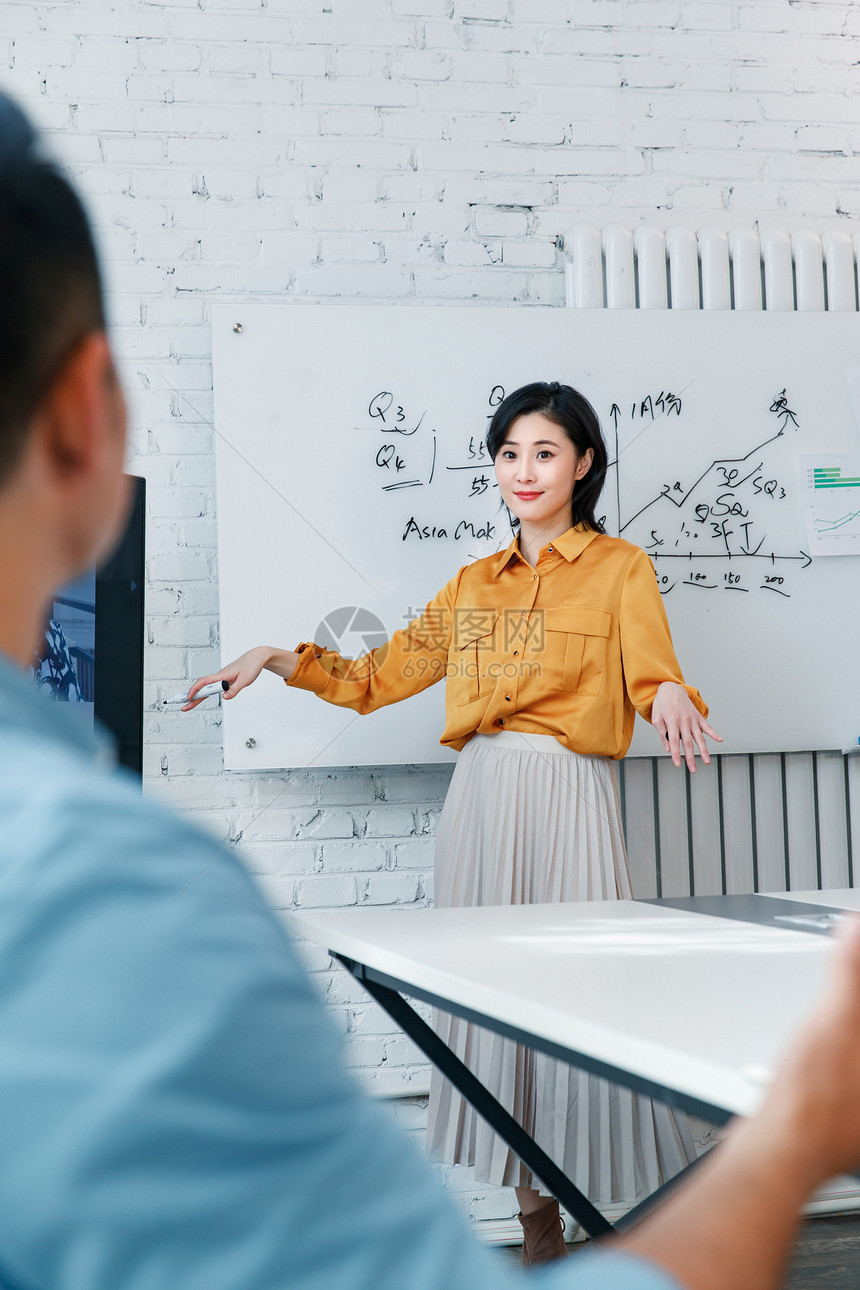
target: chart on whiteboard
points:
(728, 523)
(830, 487)
(725, 524)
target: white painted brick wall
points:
(388, 149)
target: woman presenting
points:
(548, 649)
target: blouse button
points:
(500, 722)
(507, 698)
(516, 652)
(549, 548)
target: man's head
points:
(62, 416)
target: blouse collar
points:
(570, 545)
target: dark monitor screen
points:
(92, 651)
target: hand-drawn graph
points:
(726, 526)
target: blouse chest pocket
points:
(472, 648)
(573, 657)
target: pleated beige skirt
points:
(526, 821)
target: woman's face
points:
(536, 468)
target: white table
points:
(691, 1001)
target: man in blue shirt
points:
(174, 1109)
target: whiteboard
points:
(352, 483)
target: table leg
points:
(644, 1208)
(577, 1205)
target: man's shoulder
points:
(51, 780)
(65, 820)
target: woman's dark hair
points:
(50, 288)
(568, 409)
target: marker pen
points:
(217, 687)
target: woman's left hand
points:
(680, 725)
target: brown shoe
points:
(543, 1235)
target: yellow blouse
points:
(568, 648)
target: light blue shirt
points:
(175, 1113)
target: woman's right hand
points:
(244, 671)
